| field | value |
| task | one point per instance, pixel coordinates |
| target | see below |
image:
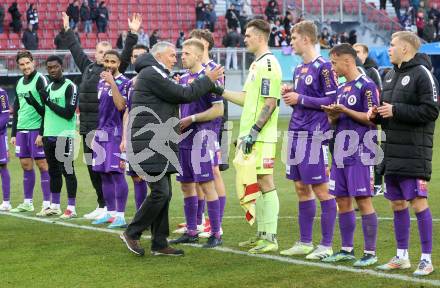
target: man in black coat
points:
(88, 94)
(30, 38)
(153, 136)
(408, 111)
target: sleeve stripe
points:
(330, 92)
(4, 111)
(378, 77)
(215, 102)
(433, 87)
(44, 80)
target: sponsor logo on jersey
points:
(268, 163)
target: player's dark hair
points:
(54, 58)
(204, 34)
(24, 54)
(261, 25)
(113, 52)
(343, 49)
(141, 46)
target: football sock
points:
(271, 210)
(140, 192)
(222, 200)
(45, 185)
(306, 217)
(402, 224)
(369, 227)
(214, 217)
(190, 209)
(56, 198)
(28, 183)
(121, 193)
(6, 184)
(328, 220)
(424, 221)
(108, 189)
(200, 210)
(347, 225)
(259, 211)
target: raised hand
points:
(65, 21)
(108, 77)
(134, 24)
(216, 73)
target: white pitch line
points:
(280, 217)
(238, 252)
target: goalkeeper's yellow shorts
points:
(264, 157)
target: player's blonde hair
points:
(408, 37)
(194, 43)
(306, 28)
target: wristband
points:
(193, 118)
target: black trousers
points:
(57, 168)
(154, 213)
(94, 176)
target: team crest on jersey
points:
(110, 93)
(405, 80)
(309, 79)
(351, 100)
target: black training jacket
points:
(413, 92)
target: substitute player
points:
(60, 100)
(112, 94)
(4, 151)
(25, 135)
(350, 178)
(314, 85)
(258, 130)
(407, 115)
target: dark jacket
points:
(413, 92)
(73, 13)
(88, 94)
(30, 40)
(84, 13)
(103, 14)
(156, 90)
(370, 69)
(2, 15)
(232, 39)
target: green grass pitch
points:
(36, 254)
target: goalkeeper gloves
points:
(249, 140)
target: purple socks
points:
(190, 208)
(45, 185)
(214, 217)
(369, 227)
(401, 228)
(140, 192)
(28, 183)
(347, 225)
(6, 183)
(222, 200)
(424, 221)
(200, 211)
(121, 188)
(328, 219)
(108, 189)
(306, 216)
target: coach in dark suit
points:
(153, 135)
